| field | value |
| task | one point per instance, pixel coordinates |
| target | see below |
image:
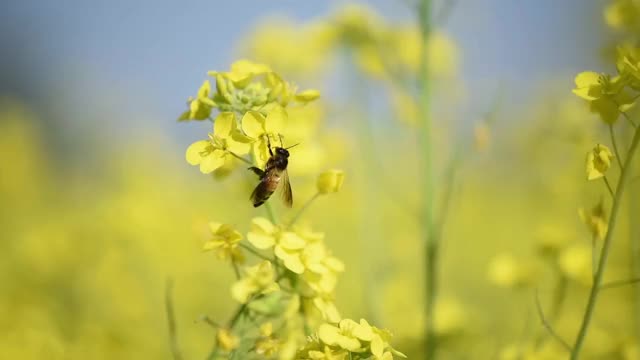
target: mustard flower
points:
(330, 181)
(288, 246)
(325, 304)
(576, 262)
(259, 279)
(227, 340)
(595, 219)
(267, 345)
(328, 354)
(598, 162)
(605, 94)
(226, 139)
(358, 337)
(200, 107)
(505, 270)
(264, 130)
(225, 240)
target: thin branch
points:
(239, 157)
(303, 209)
(548, 326)
(618, 283)
(615, 145)
(236, 271)
(171, 320)
(606, 245)
(254, 251)
(606, 182)
(629, 120)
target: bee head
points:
(282, 152)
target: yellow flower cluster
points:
(349, 340)
(251, 101)
(295, 280)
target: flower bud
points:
(330, 181)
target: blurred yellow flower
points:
(327, 354)
(226, 139)
(576, 263)
(330, 181)
(266, 345)
(595, 219)
(259, 279)
(227, 340)
(598, 161)
(506, 270)
(225, 240)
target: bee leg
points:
(269, 145)
(257, 171)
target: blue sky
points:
(130, 57)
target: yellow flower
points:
(605, 94)
(325, 304)
(288, 246)
(259, 279)
(266, 345)
(330, 181)
(227, 341)
(213, 153)
(598, 162)
(225, 239)
(596, 220)
(200, 107)
(507, 271)
(328, 354)
(576, 263)
(264, 130)
(339, 336)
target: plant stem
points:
(303, 209)
(609, 188)
(597, 279)
(240, 157)
(171, 319)
(431, 242)
(270, 213)
(615, 145)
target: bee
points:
(274, 171)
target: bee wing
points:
(286, 193)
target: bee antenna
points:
(287, 148)
(280, 136)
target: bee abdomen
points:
(261, 197)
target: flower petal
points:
(261, 241)
(276, 119)
(195, 150)
(253, 124)
(212, 161)
(224, 124)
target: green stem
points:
(253, 251)
(609, 188)
(604, 256)
(303, 209)
(239, 157)
(431, 247)
(171, 319)
(270, 213)
(615, 145)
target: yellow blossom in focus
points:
(226, 139)
(200, 107)
(227, 340)
(225, 240)
(259, 279)
(598, 162)
(605, 94)
(330, 181)
(264, 131)
(595, 219)
(288, 246)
